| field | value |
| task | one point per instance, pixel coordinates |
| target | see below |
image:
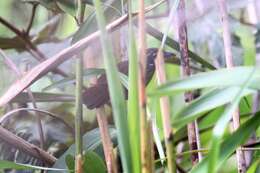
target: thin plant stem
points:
(78, 102)
(146, 153)
(165, 108)
(34, 7)
(186, 71)
(241, 163)
(106, 141)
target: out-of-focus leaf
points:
(70, 162)
(91, 142)
(68, 6)
(46, 32)
(43, 97)
(254, 168)
(11, 43)
(51, 5)
(112, 10)
(93, 163)
(230, 143)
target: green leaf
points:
(218, 78)
(68, 6)
(205, 103)
(133, 102)
(230, 143)
(218, 131)
(115, 92)
(91, 142)
(112, 10)
(254, 167)
(93, 163)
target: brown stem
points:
(165, 109)
(186, 71)
(241, 163)
(34, 7)
(106, 141)
(146, 152)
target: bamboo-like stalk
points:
(146, 153)
(78, 99)
(165, 108)
(241, 164)
(186, 71)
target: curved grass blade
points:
(207, 102)
(217, 78)
(221, 124)
(230, 143)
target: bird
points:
(98, 95)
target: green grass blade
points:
(217, 78)
(116, 92)
(221, 124)
(133, 95)
(207, 102)
(230, 143)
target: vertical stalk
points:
(186, 71)
(115, 91)
(106, 141)
(165, 108)
(146, 149)
(133, 93)
(78, 102)
(78, 114)
(241, 164)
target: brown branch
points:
(34, 7)
(186, 71)
(106, 141)
(31, 48)
(26, 147)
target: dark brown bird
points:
(98, 95)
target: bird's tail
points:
(96, 96)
